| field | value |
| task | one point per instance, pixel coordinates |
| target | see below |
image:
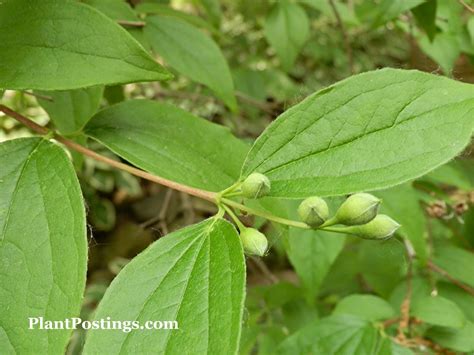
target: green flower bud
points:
(256, 185)
(358, 209)
(254, 242)
(313, 211)
(381, 227)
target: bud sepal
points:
(256, 185)
(313, 211)
(380, 228)
(357, 209)
(254, 242)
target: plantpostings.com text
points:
(107, 324)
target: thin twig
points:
(161, 216)
(264, 269)
(345, 37)
(405, 307)
(38, 96)
(262, 105)
(131, 23)
(467, 6)
(206, 195)
(444, 273)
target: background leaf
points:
(287, 29)
(453, 338)
(195, 276)
(456, 261)
(370, 131)
(339, 334)
(439, 311)
(382, 264)
(62, 45)
(170, 142)
(70, 110)
(42, 262)
(192, 53)
(366, 307)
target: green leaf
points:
(213, 9)
(287, 29)
(160, 9)
(459, 173)
(438, 311)
(403, 204)
(195, 276)
(370, 131)
(388, 347)
(192, 53)
(425, 16)
(340, 334)
(464, 300)
(444, 50)
(312, 253)
(386, 11)
(383, 264)
(115, 9)
(70, 110)
(170, 142)
(455, 261)
(43, 245)
(453, 338)
(62, 45)
(366, 307)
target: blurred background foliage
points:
(278, 52)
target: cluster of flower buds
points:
(359, 213)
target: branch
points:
(345, 37)
(444, 273)
(206, 195)
(131, 23)
(468, 7)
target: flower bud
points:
(254, 242)
(381, 227)
(358, 209)
(313, 211)
(256, 185)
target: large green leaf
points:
(43, 245)
(340, 334)
(170, 142)
(287, 29)
(370, 131)
(403, 204)
(62, 45)
(71, 109)
(192, 53)
(438, 311)
(195, 276)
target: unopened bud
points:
(358, 209)
(313, 211)
(381, 227)
(256, 185)
(254, 242)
